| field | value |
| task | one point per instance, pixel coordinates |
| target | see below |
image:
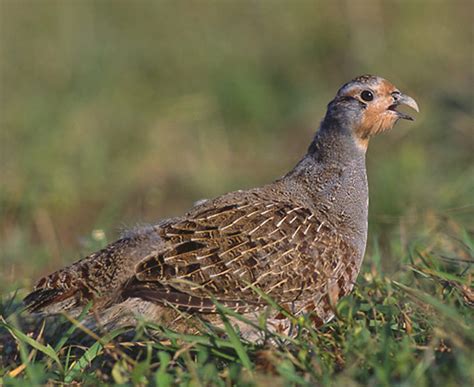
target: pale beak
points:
(403, 99)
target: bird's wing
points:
(221, 251)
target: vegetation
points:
(113, 115)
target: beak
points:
(403, 99)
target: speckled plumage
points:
(300, 239)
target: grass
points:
(413, 326)
(116, 115)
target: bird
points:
(299, 240)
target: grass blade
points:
(20, 336)
(90, 355)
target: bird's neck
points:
(335, 143)
(333, 164)
(332, 176)
(333, 172)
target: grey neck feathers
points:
(332, 175)
(333, 147)
(334, 143)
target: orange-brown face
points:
(378, 100)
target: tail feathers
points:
(49, 300)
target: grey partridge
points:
(300, 239)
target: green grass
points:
(113, 115)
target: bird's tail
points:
(49, 301)
(96, 277)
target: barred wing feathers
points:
(221, 252)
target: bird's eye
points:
(367, 95)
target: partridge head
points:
(368, 106)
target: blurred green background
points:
(116, 113)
